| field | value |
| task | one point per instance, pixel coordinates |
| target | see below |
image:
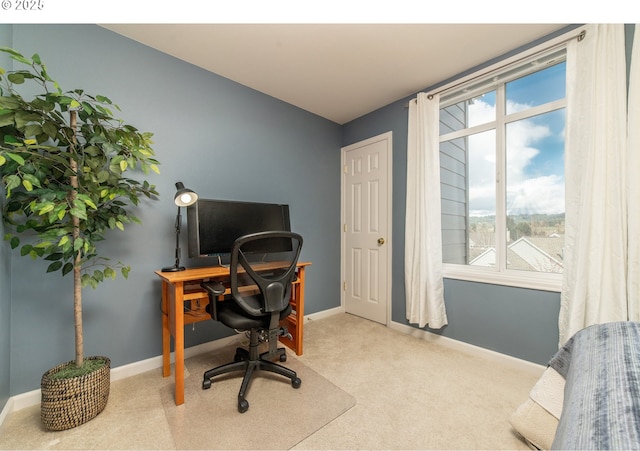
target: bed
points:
(589, 395)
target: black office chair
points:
(260, 296)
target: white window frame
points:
(500, 275)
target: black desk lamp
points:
(183, 198)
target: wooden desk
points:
(181, 291)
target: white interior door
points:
(366, 237)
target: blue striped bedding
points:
(601, 409)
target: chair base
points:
(249, 362)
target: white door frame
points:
(388, 136)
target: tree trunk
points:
(77, 275)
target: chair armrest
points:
(214, 289)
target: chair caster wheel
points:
(206, 384)
(295, 383)
(283, 357)
(243, 406)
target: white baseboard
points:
(323, 314)
(531, 368)
(6, 410)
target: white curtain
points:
(423, 244)
(595, 271)
(633, 180)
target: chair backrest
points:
(262, 269)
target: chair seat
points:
(232, 315)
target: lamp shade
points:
(184, 196)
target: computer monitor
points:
(214, 225)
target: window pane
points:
(535, 193)
(536, 89)
(468, 113)
(453, 191)
(482, 198)
(482, 109)
(468, 193)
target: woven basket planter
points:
(67, 403)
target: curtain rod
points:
(579, 37)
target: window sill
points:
(521, 279)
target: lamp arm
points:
(176, 266)
(178, 227)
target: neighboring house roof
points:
(542, 254)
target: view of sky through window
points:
(534, 146)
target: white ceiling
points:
(337, 71)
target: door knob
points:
(380, 241)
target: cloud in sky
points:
(530, 188)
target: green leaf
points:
(7, 119)
(67, 268)
(16, 56)
(54, 257)
(10, 103)
(46, 208)
(32, 179)
(102, 177)
(25, 117)
(98, 275)
(32, 130)
(109, 272)
(86, 106)
(77, 244)
(50, 129)
(15, 157)
(3, 160)
(27, 185)
(90, 203)
(103, 99)
(12, 181)
(15, 242)
(16, 78)
(55, 266)
(78, 212)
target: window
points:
(502, 174)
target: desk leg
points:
(166, 332)
(176, 322)
(300, 311)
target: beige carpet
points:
(409, 395)
(209, 419)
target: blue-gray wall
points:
(219, 138)
(5, 275)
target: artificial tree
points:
(63, 163)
